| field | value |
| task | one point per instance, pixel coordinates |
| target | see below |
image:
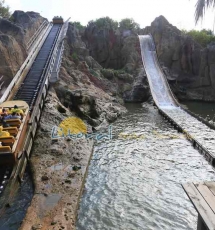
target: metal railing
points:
(58, 53)
(26, 64)
(18, 170)
(36, 34)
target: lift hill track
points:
(32, 90)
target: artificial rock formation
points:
(189, 64)
(118, 50)
(14, 35)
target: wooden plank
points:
(211, 186)
(207, 195)
(200, 205)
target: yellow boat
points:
(12, 145)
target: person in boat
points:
(9, 111)
(14, 115)
(4, 112)
(3, 133)
(3, 122)
(17, 110)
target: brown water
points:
(135, 183)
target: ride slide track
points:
(29, 91)
(202, 137)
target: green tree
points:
(4, 10)
(128, 24)
(104, 23)
(208, 32)
(203, 37)
(201, 6)
(78, 25)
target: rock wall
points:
(118, 50)
(14, 35)
(28, 21)
(190, 66)
(82, 87)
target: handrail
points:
(18, 170)
(60, 46)
(36, 34)
(25, 64)
(46, 68)
(46, 71)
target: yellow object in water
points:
(72, 125)
(4, 133)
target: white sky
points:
(178, 12)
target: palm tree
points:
(201, 5)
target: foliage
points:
(94, 73)
(128, 24)
(208, 32)
(119, 71)
(105, 22)
(117, 74)
(108, 23)
(4, 10)
(203, 37)
(108, 73)
(75, 56)
(78, 25)
(201, 5)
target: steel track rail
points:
(30, 91)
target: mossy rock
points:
(108, 73)
(125, 77)
(127, 87)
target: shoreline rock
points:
(59, 170)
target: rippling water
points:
(134, 181)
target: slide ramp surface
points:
(203, 136)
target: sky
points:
(180, 13)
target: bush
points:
(128, 24)
(119, 71)
(94, 73)
(78, 25)
(4, 10)
(203, 37)
(108, 73)
(75, 57)
(105, 23)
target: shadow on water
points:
(134, 180)
(13, 215)
(204, 109)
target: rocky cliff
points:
(190, 67)
(14, 35)
(118, 49)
